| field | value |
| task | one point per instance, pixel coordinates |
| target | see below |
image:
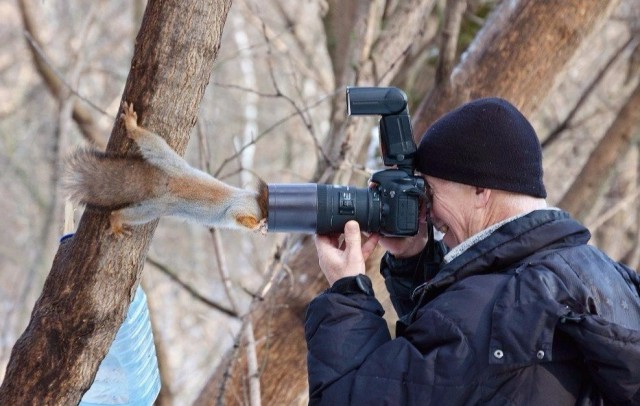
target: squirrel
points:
(138, 189)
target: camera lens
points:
(339, 204)
(293, 207)
(322, 209)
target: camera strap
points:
(434, 252)
(431, 242)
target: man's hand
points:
(347, 259)
(405, 247)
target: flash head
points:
(366, 101)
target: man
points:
(520, 310)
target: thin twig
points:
(252, 365)
(268, 130)
(245, 89)
(61, 77)
(54, 80)
(594, 224)
(223, 270)
(308, 124)
(172, 275)
(203, 148)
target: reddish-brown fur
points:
(205, 190)
(139, 189)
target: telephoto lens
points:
(321, 209)
(391, 207)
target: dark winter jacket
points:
(531, 315)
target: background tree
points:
(227, 307)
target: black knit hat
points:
(485, 143)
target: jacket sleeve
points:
(400, 280)
(403, 275)
(341, 331)
(353, 360)
(612, 355)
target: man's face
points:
(452, 210)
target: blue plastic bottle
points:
(128, 375)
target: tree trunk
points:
(94, 275)
(518, 54)
(584, 189)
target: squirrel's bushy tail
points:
(107, 181)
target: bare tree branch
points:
(498, 61)
(301, 113)
(253, 372)
(618, 136)
(53, 79)
(566, 123)
(453, 13)
(633, 256)
(595, 221)
(192, 291)
(276, 124)
(397, 36)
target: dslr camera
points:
(390, 206)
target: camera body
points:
(391, 206)
(399, 189)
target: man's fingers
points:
(352, 233)
(332, 240)
(322, 241)
(353, 241)
(370, 245)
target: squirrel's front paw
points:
(253, 223)
(263, 227)
(130, 118)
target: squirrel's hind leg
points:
(141, 213)
(118, 228)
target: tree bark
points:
(511, 56)
(94, 275)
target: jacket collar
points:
(474, 239)
(511, 243)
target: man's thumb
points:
(352, 236)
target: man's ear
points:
(482, 197)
